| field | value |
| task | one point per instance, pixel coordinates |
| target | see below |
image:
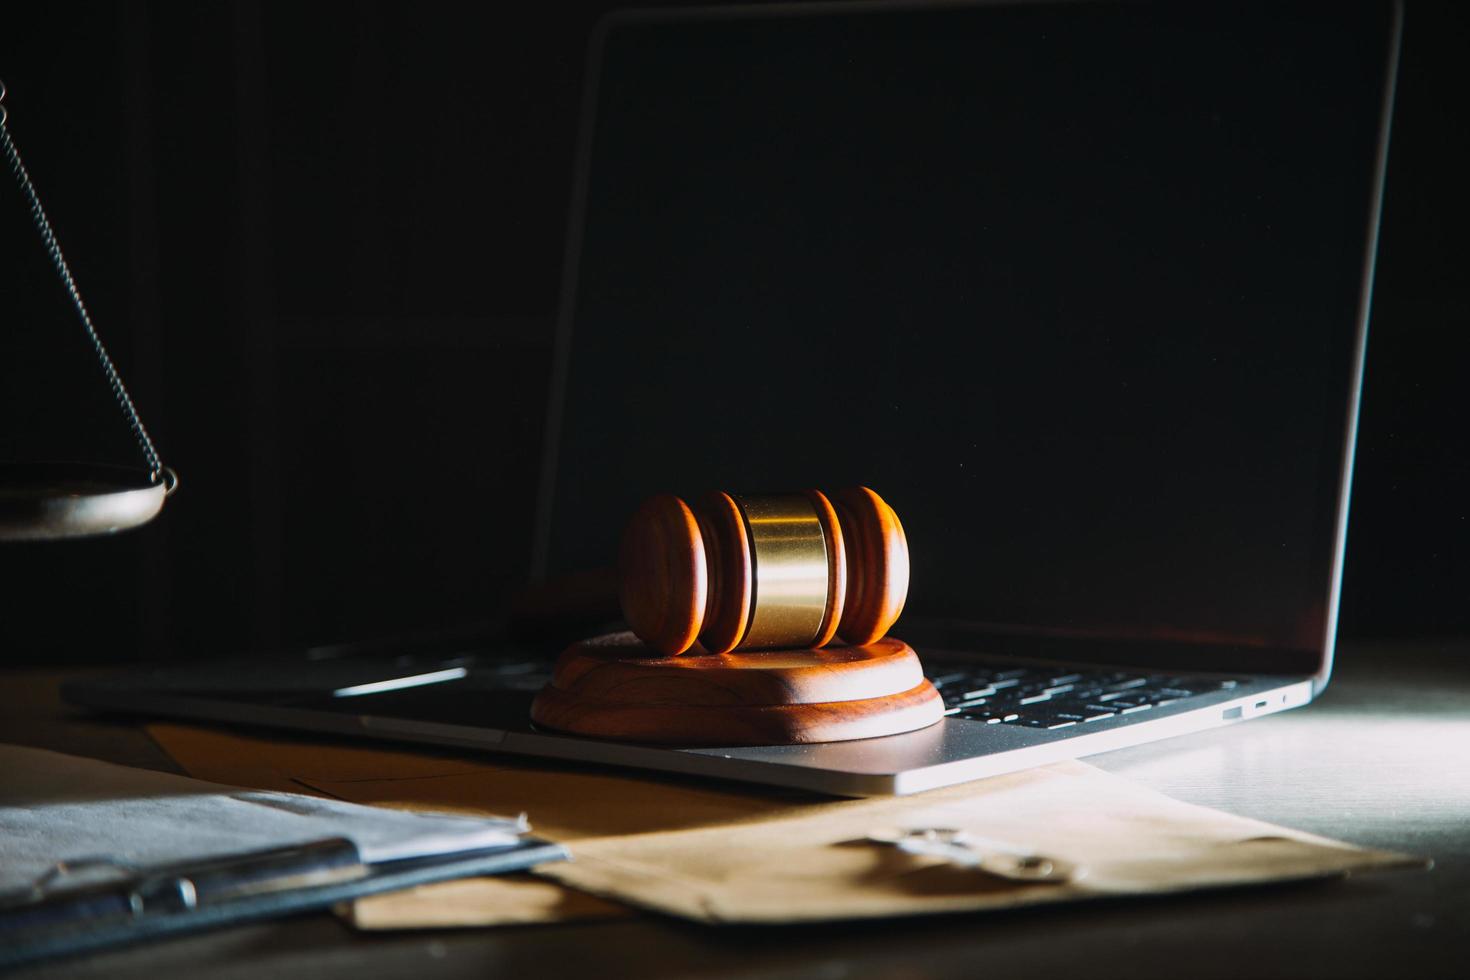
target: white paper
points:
(57, 807)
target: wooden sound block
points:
(615, 687)
(617, 668)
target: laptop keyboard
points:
(1041, 697)
(998, 694)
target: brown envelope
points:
(717, 853)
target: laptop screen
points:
(1076, 288)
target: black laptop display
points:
(1078, 288)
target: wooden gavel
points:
(770, 571)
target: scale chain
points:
(156, 469)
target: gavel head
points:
(763, 571)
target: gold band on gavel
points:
(788, 556)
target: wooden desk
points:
(1383, 759)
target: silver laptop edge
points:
(953, 751)
(1360, 346)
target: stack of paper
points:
(61, 808)
(93, 854)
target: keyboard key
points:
(1050, 724)
(990, 715)
(1157, 697)
(948, 679)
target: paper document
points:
(57, 807)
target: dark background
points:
(324, 243)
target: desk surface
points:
(1383, 759)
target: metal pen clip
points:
(966, 850)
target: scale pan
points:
(47, 501)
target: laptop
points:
(1081, 289)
